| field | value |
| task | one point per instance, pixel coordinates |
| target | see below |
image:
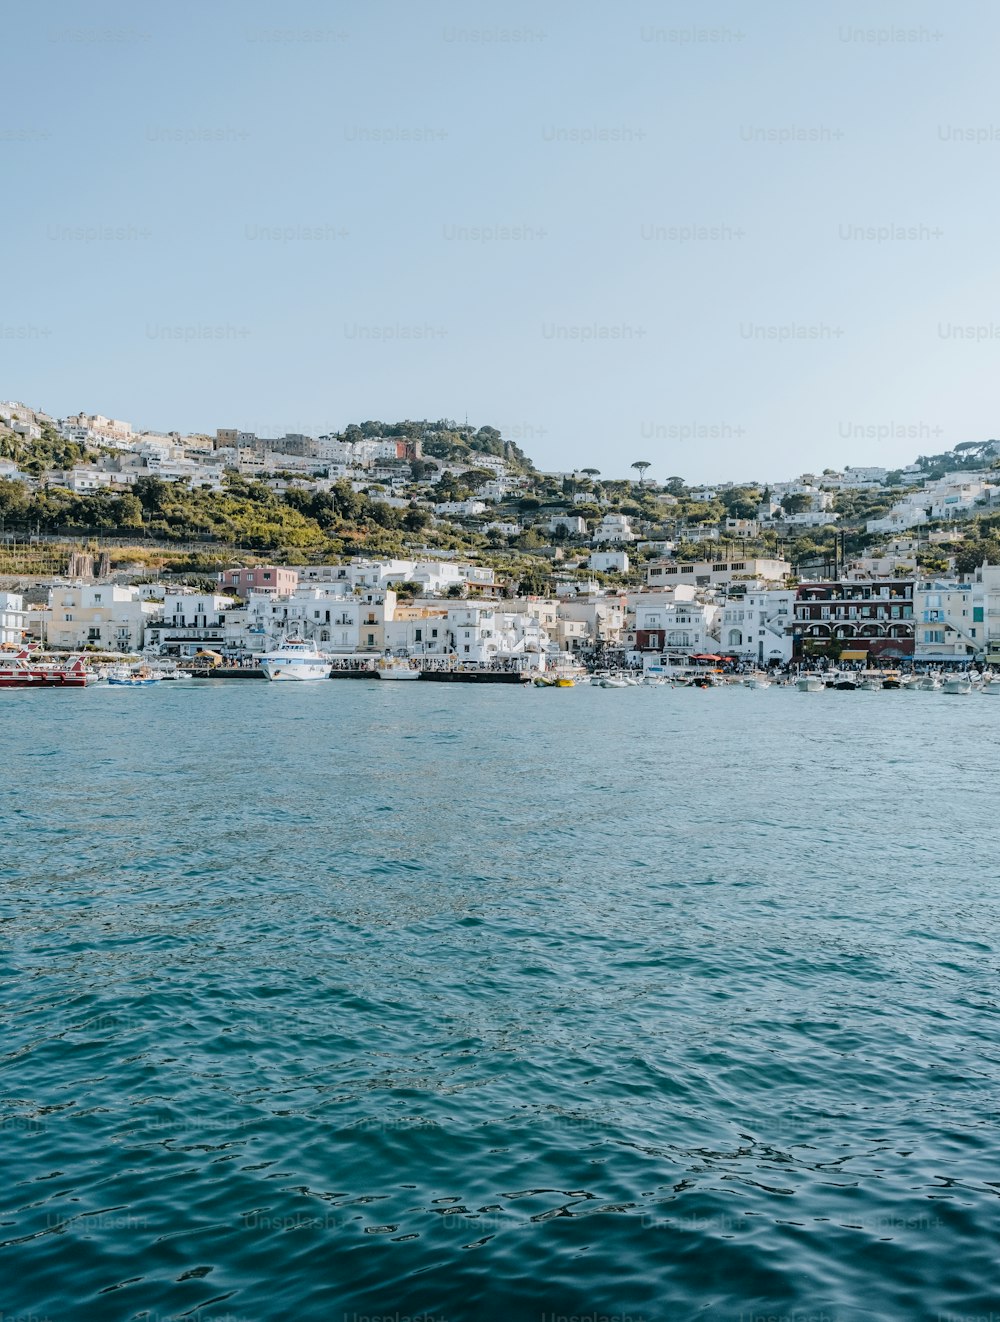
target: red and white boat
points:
(21, 672)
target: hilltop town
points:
(436, 539)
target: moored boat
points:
(957, 684)
(124, 677)
(21, 672)
(396, 668)
(296, 659)
(757, 682)
(809, 684)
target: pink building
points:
(262, 578)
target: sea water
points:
(355, 1000)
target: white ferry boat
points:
(295, 659)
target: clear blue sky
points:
(374, 138)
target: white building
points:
(954, 496)
(82, 480)
(609, 562)
(810, 519)
(949, 625)
(757, 626)
(614, 528)
(571, 523)
(460, 508)
(190, 622)
(13, 619)
(325, 615)
(678, 627)
(716, 573)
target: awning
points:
(854, 656)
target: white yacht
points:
(295, 659)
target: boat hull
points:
(300, 673)
(43, 680)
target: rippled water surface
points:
(343, 1000)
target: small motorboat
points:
(611, 682)
(927, 684)
(757, 682)
(957, 684)
(869, 684)
(809, 684)
(123, 677)
(992, 687)
(396, 669)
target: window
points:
(977, 614)
(371, 640)
(434, 633)
(465, 648)
(738, 565)
(418, 635)
(933, 635)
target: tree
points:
(416, 520)
(14, 499)
(642, 465)
(591, 472)
(534, 582)
(129, 511)
(796, 502)
(474, 478)
(421, 469)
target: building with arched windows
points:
(866, 618)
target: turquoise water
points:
(341, 1001)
